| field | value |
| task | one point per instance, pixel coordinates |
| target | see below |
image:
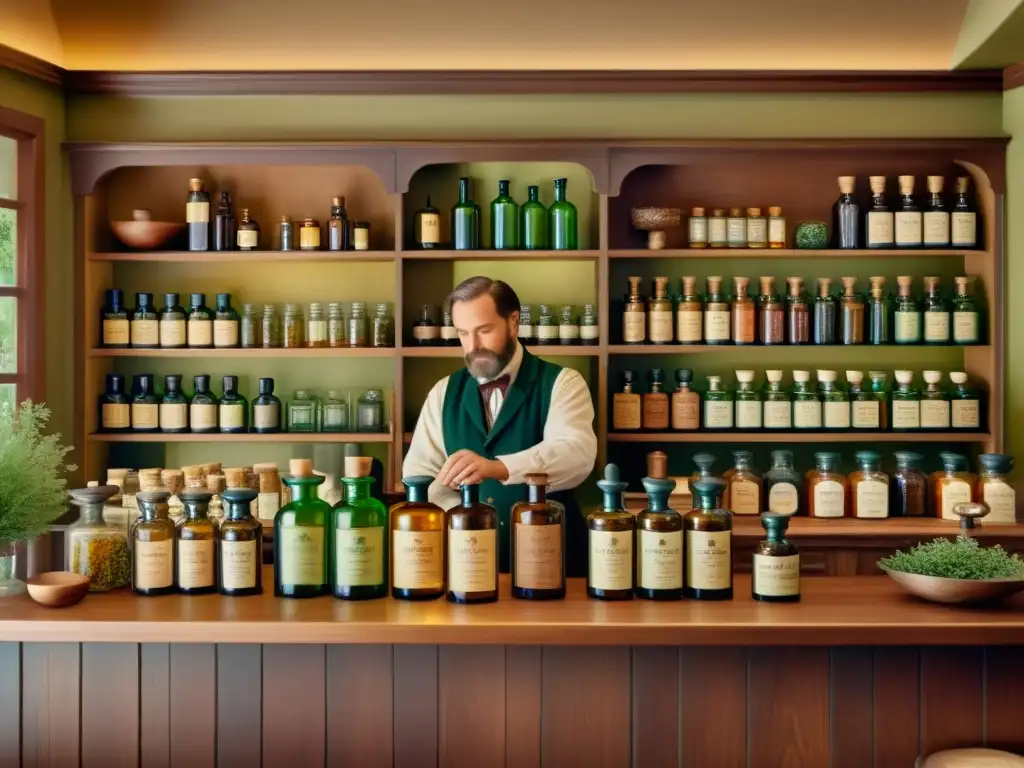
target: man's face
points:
(488, 340)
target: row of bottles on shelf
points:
(567, 329)
(145, 411)
(828, 406)
(529, 227)
(172, 327)
(227, 234)
(829, 318)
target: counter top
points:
(860, 610)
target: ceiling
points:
(515, 34)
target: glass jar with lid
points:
(248, 328)
(358, 333)
(309, 235)
(270, 328)
(370, 412)
(383, 327)
(316, 327)
(335, 325)
(334, 413)
(292, 327)
(93, 547)
(546, 328)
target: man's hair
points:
(505, 299)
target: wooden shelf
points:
(215, 257)
(546, 351)
(491, 255)
(798, 437)
(242, 437)
(780, 253)
(254, 353)
(679, 349)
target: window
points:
(21, 255)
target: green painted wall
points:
(1013, 124)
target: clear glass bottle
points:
(449, 333)
(851, 312)
(358, 546)
(358, 332)
(292, 327)
(370, 412)
(232, 412)
(908, 489)
(589, 329)
(757, 229)
(300, 536)
(936, 217)
(152, 545)
(776, 228)
(835, 402)
(689, 314)
(568, 328)
(93, 547)
(879, 227)
(248, 328)
(966, 315)
(418, 565)
(286, 233)
(194, 545)
(504, 219)
(114, 322)
(145, 404)
(936, 313)
(301, 412)
(337, 226)
(745, 489)
(736, 228)
(266, 409)
(826, 487)
(538, 543)
(239, 545)
(225, 323)
(316, 327)
(248, 234)
(626, 410)
(778, 403)
(698, 228)
(749, 411)
(775, 576)
(270, 328)
(878, 313)
(718, 406)
(472, 549)
(115, 406)
(744, 313)
(846, 215)
(955, 485)
(906, 403)
(634, 316)
(334, 413)
(995, 487)
(659, 544)
(907, 315)
(610, 536)
(336, 326)
(465, 220)
(964, 220)
(798, 313)
(562, 220)
(659, 314)
(869, 487)
(881, 394)
(717, 318)
(200, 322)
(771, 314)
(546, 328)
(173, 333)
(526, 333)
(907, 219)
(708, 543)
(203, 409)
(806, 402)
(782, 485)
(965, 404)
(534, 221)
(685, 402)
(865, 409)
(935, 404)
(383, 327)
(824, 313)
(655, 403)
(718, 229)
(173, 406)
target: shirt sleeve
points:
(426, 454)
(569, 448)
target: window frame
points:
(29, 132)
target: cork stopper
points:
(904, 377)
(877, 184)
(745, 377)
(114, 475)
(846, 184)
(215, 483)
(877, 286)
(151, 482)
(824, 286)
(236, 477)
(718, 212)
(963, 183)
(905, 283)
(855, 377)
(358, 466)
(931, 377)
(958, 377)
(212, 469)
(634, 286)
(931, 284)
(311, 223)
(537, 479)
(300, 467)
(689, 285)
(173, 480)
(796, 285)
(714, 284)
(245, 214)
(801, 377)
(194, 477)
(774, 210)
(828, 377)
(906, 185)
(660, 287)
(196, 185)
(657, 465)
(935, 184)
(773, 376)
(849, 285)
(742, 285)
(753, 211)
(697, 211)
(286, 219)
(95, 484)
(767, 285)
(963, 285)
(264, 466)
(269, 481)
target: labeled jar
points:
(287, 234)
(698, 225)
(361, 236)
(335, 326)
(358, 332)
(757, 229)
(309, 235)
(316, 327)
(718, 229)
(736, 228)
(292, 327)
(383, 327)
(776, 228)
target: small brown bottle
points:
(852, 312)
(538, 544)
(659, 314)
(743, 313)
(655, 403)
(626, 411)
(472, 549)
(634, 318)
(685, 402)
(248, 233)
(689, 314)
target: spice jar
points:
(316, 327)
(309, 235)
(908, 491)
(248, 233)
(383, 327)
(247, 328)
(698, 228)
(798, 316)
(270, 329)
(292, 327)
(287, 234)
(361, 236)
(736, 228)
(757, 229)
(718, 229)
(152, 545)
(852, 316)
(358, 334)
(93, 547)
(370, 412)
(335, 326)
(771, 316)
(776, 228)
(743, 313)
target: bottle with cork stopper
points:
(718, 229)
(538, 543)
(771, 314)
(197, 216)
(878, 313)
(698, 228)
(865, 408)
(472, 549)
(879, 226)
(776, 228)
(798, 313)
(717, 319)
(359, 552)
(659, 314)
(935, 403)
(337, 226)
(736, 228)
(963, 223)
(744, 320)
(239, 545)
(757, 229)
(689, 314)
(806, 403)
(748, 402)
(610, 533)
(655, 402)
(851, 304)
(248, 234)
(417, 543)
(907, 313)
(846, 215)
(824, 313)
(906, 403)
(936, 217)
(778, 407)
(834, 401)
(634, 319)
(268, 502)
(659, 537)
(300, 540)
(909, 233)
(966, 315)
(936, 313)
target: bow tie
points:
(488, 387)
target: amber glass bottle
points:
(869, 487)
(744, 313)
(417, 544)
(655, 403)
(239, 545)
(685, 402)
(690, 314)
(538, 544)
(634, 317)
(659, 314)
(717, 323)
(472, 549)
(610, 535)
(746, 488)
(826, 487)
(908, 489)
(771, 314)
(152, 545)
(775, 577)
(659, 543)
(194, 541)
(851, 313)
(955, 485)
(626, 410)
(708, 536)
(995, 488)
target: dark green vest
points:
(520, 425)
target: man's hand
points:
(467, 467)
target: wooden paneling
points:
(852, 727)
(655, 730)
(110, 705)
(951, 698)
(897, 686)
(10, 705)
(50, 697)
(522, 706)
(360, 727)
(713, 680)
(193, 705)
(1004, 698)
(585, 695)
(415, 708)
(239, 704)
(471, 696)
(155, 705)
(294, 705)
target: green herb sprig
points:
(960, 559)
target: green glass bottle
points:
(239, 545)
(173, 406)
(965, 403)
(266, 409)
(610, 531)
(659, 545)
(465, 220)
(203, 410)
(749, 411)
(881, 394)
(806, 403)
(359, 556)
(300, 541)
(906, 403)
(865, 409)
(775, 577)
(783, 485)
(778, 403)
(504, 219)
(936, 314)
(562, 220)
(708, 537)
(718, 405)
(966, 313)
(534, 218)
(934, 402)
(835, 403)
(233, 408)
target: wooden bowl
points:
(655, 221)
(955, 591)
(58, 589)
(143, 234)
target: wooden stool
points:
(971, 758)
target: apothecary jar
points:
(93, 547)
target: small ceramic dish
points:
(58, 589)
(144, 234)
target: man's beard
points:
(485, 364)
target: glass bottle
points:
(358, 332)
(360, 235)
(225, 323)
(286, 233)
(533, 218)
(417, 544)
(745, 489)
(954, 486)
(114, 322)
(93, 547)
(718, 229)
(824, 313)
(194, 540)
(359, 552)
(172, 323)
(562, 222)
(865, 409)
(224, 227)
(966, 317)
(336, 326)
(846, 215)
(589, 329)
(659, 544)
(689, 314)
(546, 328)
(936, 313)
(964, 221)
(936, 217)
(736, 228)
(334, 413)
(610, 532)
(778, 403)
(370, 412)
(233, 411)
(757, 229)
(798, 316)
(708, 537)
(878, 313)
(427, 227)
(152, 545)
(538, 543)
(776, 228)
(145, 326)
(907, 314)
(995, 488)
(200, 322)
(908, 490)
(685, 402)
(826, 487)
(337, 225)
(465, 220)
(771, 314)
(626, 410)
(907, 220)
(806, 403)
(704, 462)
(835, 402)
(301, 412)
(906, 403)
(935, 404)
(965, 403)
(384, 327)
(775, 576)
(655, 403)
(744, 313)
(748, 402)
(634, 317)
(425, 332)
(316, 327)
(472, 549)
(197, 216)
(504, 219)
(782, 485)
(247, 327)
(879, 228)
(300, 540)
(717, 319)
(878, 390)
(569, 329)
(292, 327)
(697, 234)
(869, 487)
(659, 314)
(173, 406)
(115, 406)
(852, 312)
(718, 405)
(203, 409)
(248, 236)
(270, 328)
(145, 404)
(239, 545)
(526, 332)
(266, 409)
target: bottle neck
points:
(657, 502)
(303, 488)
(463, 191)
(559, 193)
(536, 494)
(357, 488)
(91, 513)
(236, 510)
(195, 510)
(417, 494)
(533, 196)
(470, 495)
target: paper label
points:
(267, 505)
(716, 325)
(655, 411)
(964, 226)
(611, 560)
(426, 332)
(717, 414)
(587, 332)
(776, 230)
(935, 414)
(472, 558)
(965, 327)
(966, 414)
(689, 326)
(880, 228)
(807, 414)
(197, 212)
(359, 557)
(1001, 500)
(757, 230)
(238, 564)
(430, 228)
(908, 327)
(745, 497)
(568, 331)
(195, 563)
(717, 230)
(116, 333)
(200, 333)
(837, 415)
(736, 232)
(450, 333)
(865, 414)
(626, 411)
(709, 559)
(872, 499)
(633, 327)
(547, 332)
(661, 325)
(748, 414)
(266, 416)
(660, 561)
(776, 576)
(685, 413)
(908, 228)
(145, 333)
(538, 556)
(936, 228)
(698, 229)
(829, 499)
(309, 238)
(172, 333)
(225, 333)
(153, 564)
(302, 555)
(203, 416)
(334, 416)
(232, 416)
(418, 559)
(250, 238)
(778, 415)
(906, 414)
(783, 499)
(116, 416)
(952, 492)
(145, 416)
(936, 326)
(360, 239)
(173, 415)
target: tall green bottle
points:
(504, 219)
(300, 536)
(563, 220)
(465, 220)
(534, 218)
(359, 559)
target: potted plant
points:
(32, 482)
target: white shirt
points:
(566, 454)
